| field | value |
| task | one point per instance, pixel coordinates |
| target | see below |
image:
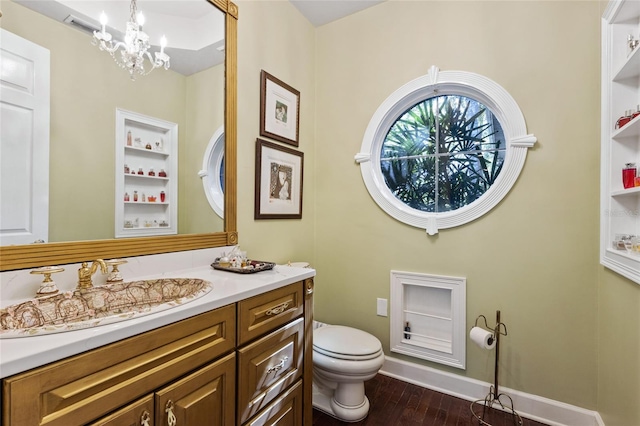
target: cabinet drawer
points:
(133, 414)
(268, 366)
(263, 313)
(85, 387)
(284, 411)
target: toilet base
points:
(328, 405)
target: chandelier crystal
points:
(135, 48)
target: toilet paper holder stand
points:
(493, 397)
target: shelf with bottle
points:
(620, 143)
(146, 177)
(145, 224)
(630, 129)
(146, 151)
(630, 68)
(151, 173)
(150, 203)
(142, 198)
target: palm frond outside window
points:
(442, 153)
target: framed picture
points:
(278, 181)
(279, 110)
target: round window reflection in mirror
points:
(212, 172)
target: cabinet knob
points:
(171, 418)
(277, 309)
(145, 419)
(278, 366)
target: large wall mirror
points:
(198, 92)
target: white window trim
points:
(210, 173)
(435, 82)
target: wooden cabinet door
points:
(203, 398)
(139, 413)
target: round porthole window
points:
(443, 149)
(212, 172)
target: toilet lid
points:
(345, 342)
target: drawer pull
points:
(277, 309)
(145, 419)
(278, 366)
(171, 418)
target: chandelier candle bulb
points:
(103, 22)
(163, 44)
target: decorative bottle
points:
(629, 175)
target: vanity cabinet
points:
(146, 195)
(202, 398)
(620, 142)
(247, 363)
(271, 349)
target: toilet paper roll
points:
(482, 338)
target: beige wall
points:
(84, 96)
(534, 257)
(619, 350)
(196, 215)
(272, 35)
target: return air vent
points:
(80, 24)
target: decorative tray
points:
(252, 267)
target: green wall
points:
(84, 96)
(573, 326)
(534, 256)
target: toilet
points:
(343, 359)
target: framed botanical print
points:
(279, 110)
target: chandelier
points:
(135, 48)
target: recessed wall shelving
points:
(620, 207)
(146, 175)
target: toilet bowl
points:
(343, 359)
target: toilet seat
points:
(346, 343)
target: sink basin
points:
(100, 305)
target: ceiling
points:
(180, 21)
(193, 28)
(320, 12)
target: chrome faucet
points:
(85, 272)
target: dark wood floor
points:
(394, 402)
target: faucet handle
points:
(114, 276)
(48, 286)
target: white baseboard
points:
(533, 407)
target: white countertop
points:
(23, 353)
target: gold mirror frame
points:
(33, 255)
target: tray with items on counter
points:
(246, 267)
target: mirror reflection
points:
(87, 87)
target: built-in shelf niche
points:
(620, 207)
(433, 308)
(146, 195)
